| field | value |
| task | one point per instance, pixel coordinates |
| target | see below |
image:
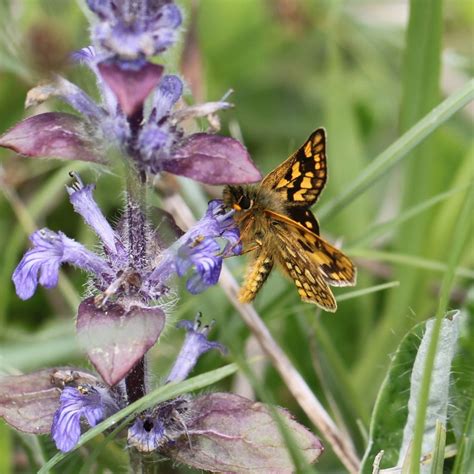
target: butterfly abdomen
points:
(256, 276)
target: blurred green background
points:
(352, 67)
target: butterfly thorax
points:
(251, 203)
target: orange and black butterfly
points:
(276, 224)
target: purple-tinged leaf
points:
(28, 402)
(131, 86)
(54, 135)
(114, 338)
(229, 433)
(213, 159)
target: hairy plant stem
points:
(136, 225)
(135, 381)
(136, 221)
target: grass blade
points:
(437, 462)
(379, 229)
(411, 260)
(459, 237)
(400, 149)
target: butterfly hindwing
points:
(300, 179)
(303, 270)
(336, 268)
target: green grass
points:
(401, 170)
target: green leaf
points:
(390, 410)
(6, 446)
(394, 413)
(461, 408)
(432, 364)
(437, 405)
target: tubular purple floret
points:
(50, 250)
(92, 403)
(146, 434)
(84, 204)
(195, 345)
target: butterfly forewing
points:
(304, 217)
(300, 179)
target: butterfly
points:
(276, 224)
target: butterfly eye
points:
(245, 203)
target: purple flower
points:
(202, 249)
(131, 30)
(92, 403)
(146, 434)
(154, 141)
(41, 263)
(222, 223)
(160, 427)
(84, 204)
(50, 249)
(204, 256)
(195, 345)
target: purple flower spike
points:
(131, 30)
(83, 402)
(41, 263)
(83, 202)
(195, 345)
(146, 434)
